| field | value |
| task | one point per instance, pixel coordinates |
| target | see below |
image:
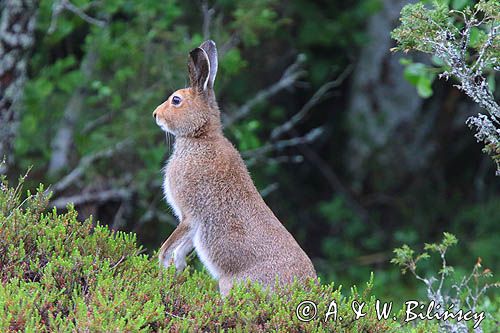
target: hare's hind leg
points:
(176, 247)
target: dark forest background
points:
(355, 148)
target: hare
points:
(221, 213)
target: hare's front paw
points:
(174, 258)
(179, 261)
(166, 260)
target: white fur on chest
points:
(203, 254)
(170, 198)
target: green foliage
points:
(448, 240)
(349, 248)
(348, 226)
(421, 26)
(62, 275)
(253, 18)
(141, 59)
(483, 222)
(467, 42)
(466, 292)
(404, 258)
(332, 25)
(246, 135)
(418, 21)
(419, 75)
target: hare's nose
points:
(154, 114)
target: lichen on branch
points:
(468, 43)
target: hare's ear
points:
(211, 51)
(199, 69)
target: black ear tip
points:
(195, 50)
(208, 44)
(196, 53)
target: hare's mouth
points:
(162, 125)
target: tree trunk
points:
(384, 109)
(63, 139)
(17, 27)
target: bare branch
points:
(77, 11)
(233, 40)
(85, 162)
(95, 123)
(472, 82)
(59, 6)
(106, 117)
(269, 189)
(480, 63)
(94, 197)
(155, 214)
(315, 99)
(286, 159)
(207, 18)
(152, 211)
(288, 79)
(282, 144)
(118, 262)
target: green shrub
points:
(59, 274)
(445, 288)
(464, 42)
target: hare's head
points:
(193, 111)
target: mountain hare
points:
(221, 213)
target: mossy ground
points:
(62, 275)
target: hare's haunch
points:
(222, 215)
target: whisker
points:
(169, 142)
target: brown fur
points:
(222, 215)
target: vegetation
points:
(355, 148)
(59, 274)
(466, 42)
(444, 289)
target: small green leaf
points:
(414, 71)
(449, 239)
(424, 86)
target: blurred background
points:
(355, 148)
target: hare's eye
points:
(176, 100)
